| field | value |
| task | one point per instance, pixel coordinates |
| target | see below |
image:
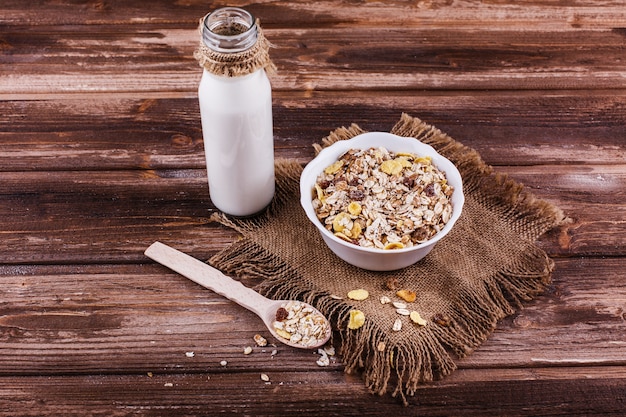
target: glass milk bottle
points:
(236, 111)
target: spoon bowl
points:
(314, 329)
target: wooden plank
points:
(507, 128)
(111, 216)
(131, 58)
(76, 320)
(430, 14)
(564, 392)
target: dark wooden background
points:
(101, 154)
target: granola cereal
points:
(381, 199)
(300, 324)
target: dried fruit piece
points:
(397, 325)
(407, 295)
(281, 314)
(358, 295)
(354, 208)
(260, 340)
(417, 319)
(357, 319)
(393, 245)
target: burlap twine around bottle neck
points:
(239, 63)
(478, 274)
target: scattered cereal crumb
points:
(168, 384)
(265, 377)
(150, 374)
(330, 350)
(336, 297)
(358, 295)
(274, 352)
(260, 340)
(223, 363)
(190, 354)
(381, 346)
(247, 350)
(323, 360)
(385, 300)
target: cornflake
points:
(357, 319)
(376, 198)
(358, 295)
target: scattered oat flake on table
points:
(168, 384)
(190, 354)
(398, 304)
(223, 363)
(265, 377)
(247, 350)
(260, 340)
(358, 294)
(384, 299)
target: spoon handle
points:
(207, 276)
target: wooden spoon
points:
(211, 278)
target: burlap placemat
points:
(481, 272)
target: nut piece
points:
(358, 295)
(357, 319)
(392, 283)
(417, 319)
(407, 295)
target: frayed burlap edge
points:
(236, 64)
(400, 368)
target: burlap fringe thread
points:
(236, 64)
(400, 368)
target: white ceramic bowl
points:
(372, 258)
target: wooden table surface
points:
(101, 154)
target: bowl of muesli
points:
(381, 201)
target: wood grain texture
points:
(101, 154)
